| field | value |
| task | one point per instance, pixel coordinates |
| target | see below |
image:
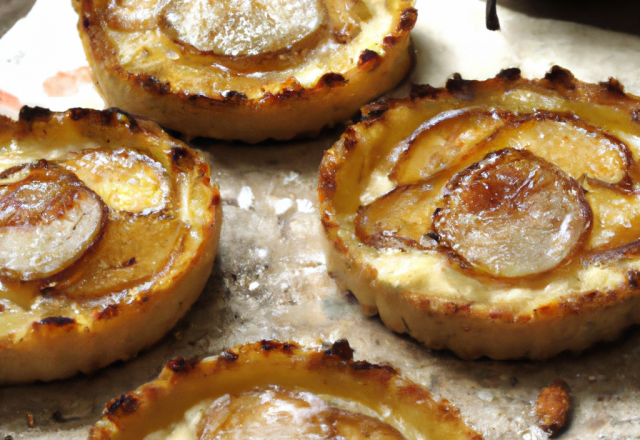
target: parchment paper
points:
(270, 279)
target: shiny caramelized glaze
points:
(501, 200)
(245, 69)
(281, 413)
(108, 229)
(276, 390)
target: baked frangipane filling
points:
(245, 70)
(495, 218)
(108, 230)
(273, 390)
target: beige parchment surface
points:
(270, 279)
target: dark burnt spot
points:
(408, 20)
(331, 80)
(58, 321)
(368, 58)
(342, 349)
(181, 365)
(125, 404)
(181, 156)
(269, 345)
(215, 200)
(374, 110)
(288, 348)
(109, 312)
(115, 115)
(233, 96)
(350, 139)
(423, 91)
(78, 113)
(153, 84)
(86, 23)
(389, 41)
(2, 307)
(30, 114)
(434, 236)
(364, 365)
(145, 299)
(561, 77)
(633, 276)
(614, 86)
(130, 262)
(511, 74)
(461, 87)
(229, 356)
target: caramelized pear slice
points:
(278, 412)
(441, 141)
(243, 28)
(125, 180)
(399, 219)
(133, 251)
(513, 214)
(48, 220)
(574, 146)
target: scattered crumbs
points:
(254, 285)
(305, 205)
(245, 198)
(592, 378)
(30, 421)
(292, 176)
(485, 395)
(552, 405)
(283, 205)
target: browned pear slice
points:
(441, 141)
(345, 17)
(513, 214)
(243, 27)
(133, 250)
(48, 220)
(125, 180)
(572, 145)
(616, 217)
(280, 412)
(399, 219)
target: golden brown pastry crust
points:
(183, 384)
(72, 321)
(438, 297)
(191, 93)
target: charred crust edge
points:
(342, 349)
(125, 404)
(181, 365)
(57, 321)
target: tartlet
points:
(271, 389)
(245, 71)
(494, 218)
(108, 231)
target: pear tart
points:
(494, 218)
(245, 71)
(108, 231)
(274, 390)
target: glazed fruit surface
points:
(502, 202)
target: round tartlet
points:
(245, 71)
(495, 218)
(108, 231)
(271, 387)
